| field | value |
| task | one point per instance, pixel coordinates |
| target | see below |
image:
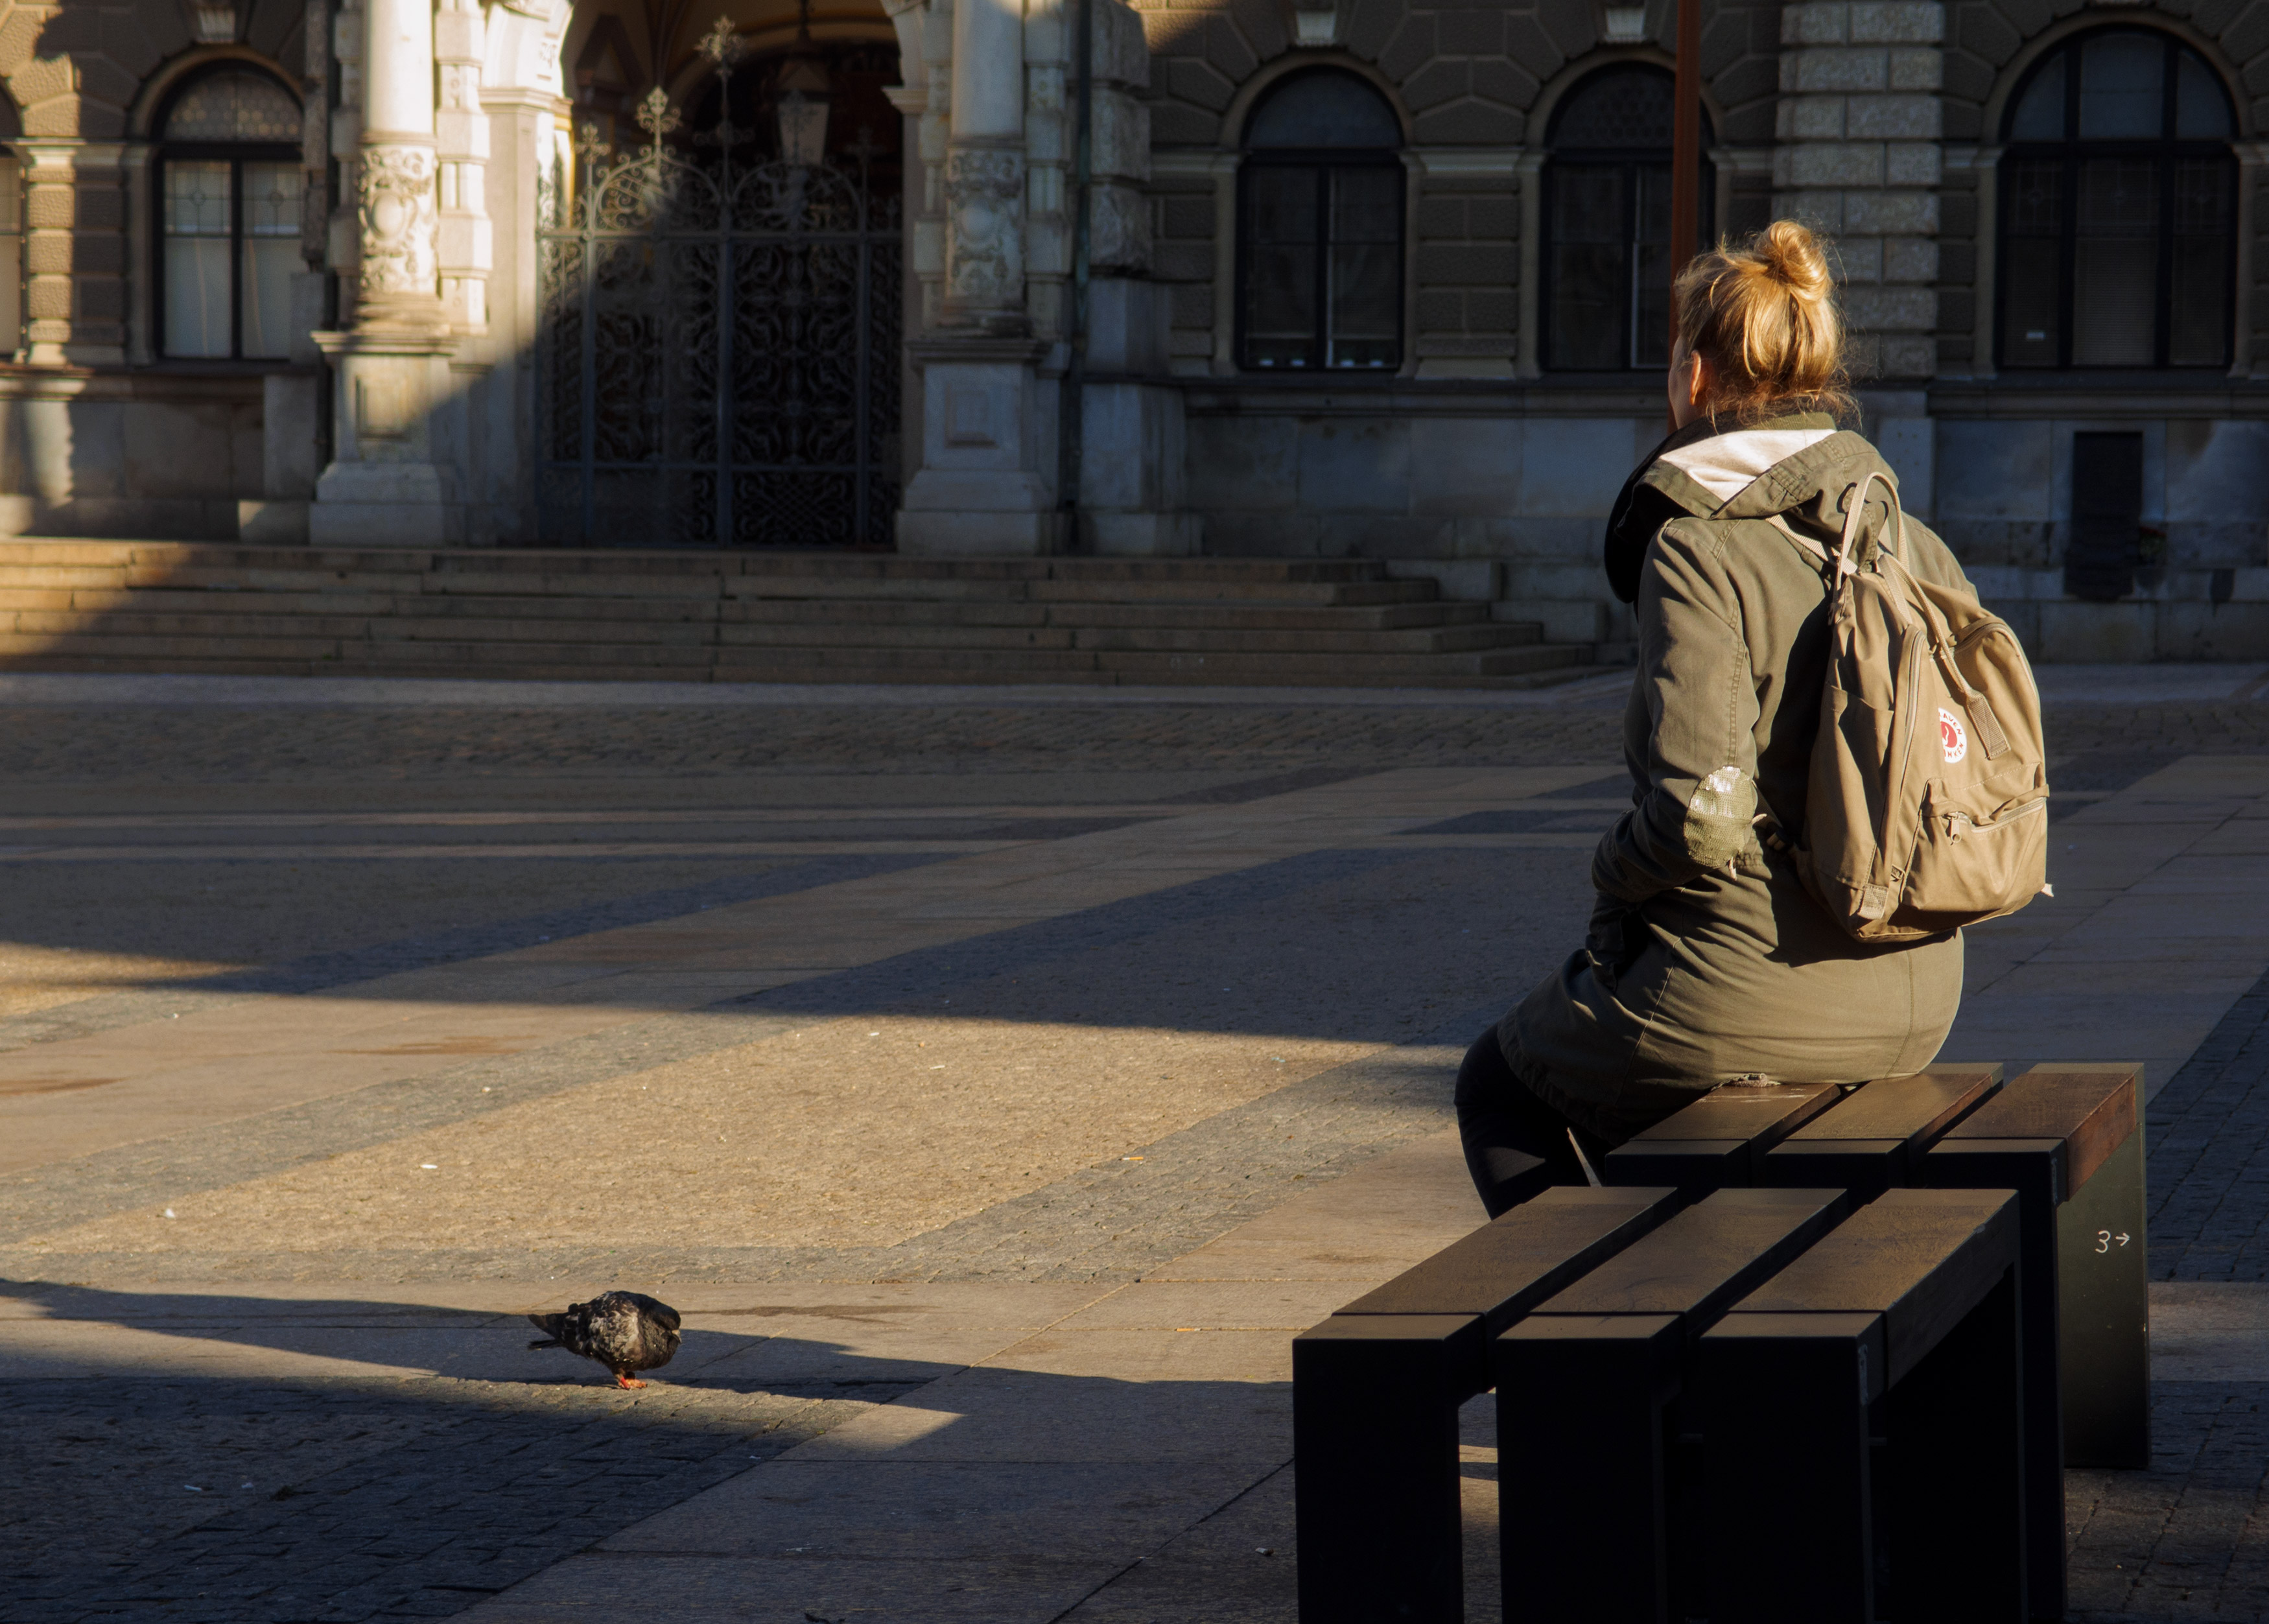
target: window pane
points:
(197, 258)
(1280, 274)
(272, 204)
(272, 194)
(1590, 274)
(2031, 307)
(1620, 107)
(197, 199)
(1325, 108)
(2199, 330)
(2201, 108)
(196, 295)
(2040, 115)
(2115, 281)
(2120, 82)
(1649, 338)
(235, 105)
(269, 263)
(1366, 325)
(2032, 310)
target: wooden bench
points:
(1902, 1326)
(2069, 1140)
(1376, 1387)
(1592, 1490)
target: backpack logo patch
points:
(1952, 736)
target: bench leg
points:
(1782, 1400)
(2102, 1311)
(1952, 1476)
(1375, 1446)
(1580, 1485)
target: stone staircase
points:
(715, 616)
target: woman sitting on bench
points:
(1707, 961)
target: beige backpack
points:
(1927, 806)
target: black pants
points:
(1507, 1130)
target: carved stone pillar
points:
(985, 170)
(399, 439)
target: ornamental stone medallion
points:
(395, 197)
(985, 250)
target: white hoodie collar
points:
(1725, 465)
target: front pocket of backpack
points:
(1974, 863)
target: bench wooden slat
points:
(1706, 1259)
(2091, 1109)
(1503, 1269)
(1922, 1258)
(1717, 1140)
(1872, 1139)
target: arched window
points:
(229, 193)
(1607, 223)
(1319, 212)
(2118, 204)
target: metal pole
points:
(1685, 151)
(1071, 420)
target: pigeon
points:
(623, 1330)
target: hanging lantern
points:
(803, 103)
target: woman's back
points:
(1707, 959)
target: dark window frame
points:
(1327, 162)
(2069, 152)
(1631, 160)
(237, 154)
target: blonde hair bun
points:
(1762, 317)
(1792, 257)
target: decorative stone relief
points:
(395, 201)
(984, 210)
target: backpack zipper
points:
(1955, 819)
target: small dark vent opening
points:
(2107, 516)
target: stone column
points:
(396, 476)
(984, 168)
(986, 482)
(1859, 127)
(74, 251)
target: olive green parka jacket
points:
(1707, 960)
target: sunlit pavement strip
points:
(1086, 1433)
(164, 1076)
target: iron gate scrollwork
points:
(719, 358)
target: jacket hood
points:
(1800, 465)
(1796, 465)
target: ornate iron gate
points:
(719, 358)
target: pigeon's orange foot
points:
(623, 1380)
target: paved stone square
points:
(995, 1079)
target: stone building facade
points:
(1359, 277)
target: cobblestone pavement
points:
(263, 1503)
(372, 1497)
(2184, 1541)
(2209, 1154)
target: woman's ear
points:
(1697, 382)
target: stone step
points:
(68, 605)
(1424, 640)
(1327, 668)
